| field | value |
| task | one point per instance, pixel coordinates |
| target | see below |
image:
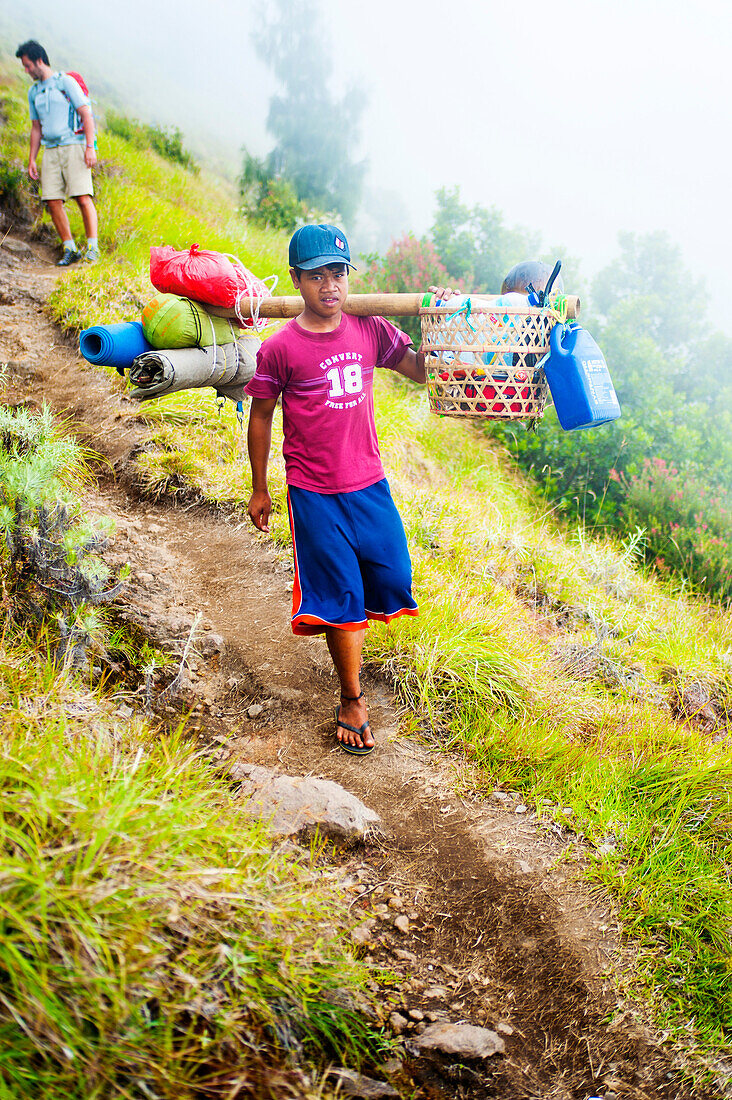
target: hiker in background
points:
(351, 558)
(68, 155)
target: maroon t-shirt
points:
(326, 382)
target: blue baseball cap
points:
(317, 245)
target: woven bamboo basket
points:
(482, 360)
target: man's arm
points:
(259, 438)
(411, 365)
(35, 144)
(87, 121)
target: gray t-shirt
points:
(53, 103)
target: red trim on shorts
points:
(296, 589)
(394, 615)
(310, 624)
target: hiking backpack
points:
(75, 123)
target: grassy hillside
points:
(545, 656)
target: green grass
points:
(504, 590)
(148, 930)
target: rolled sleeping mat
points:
(113, 345)
(157, 373)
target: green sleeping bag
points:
(172, 322)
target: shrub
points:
(272, 200)
(688, 525)
(11, 185)
(167, 142)
(53, 576)
(411, 264)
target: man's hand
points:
(443, 292)
(258, 509)
(90, 157)
(33, 169)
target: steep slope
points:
(560, 678)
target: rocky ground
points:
(509, 976)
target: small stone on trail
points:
(395, 903)
(402, 923)
(362, 933)
(504, 1028)
(294, 805)
(23, 369)
(18, 248)
(465, 1040)
(211, 644)
(398, 1023)
(254, 710)
(437, 993)
(355, 1084)
(416, 1014)
(520, 809)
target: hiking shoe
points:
(91, 255)
(69, 257)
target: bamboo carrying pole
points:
(358, 305)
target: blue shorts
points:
(351, 559)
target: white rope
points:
(258, 296)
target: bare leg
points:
(59, 218)
(345, 648)
(88, 213)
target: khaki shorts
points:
(64, 173)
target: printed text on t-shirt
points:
(345, 376)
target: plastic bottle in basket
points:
(506, 324)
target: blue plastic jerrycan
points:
(578, 378)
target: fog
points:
(575, 120)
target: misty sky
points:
(577, 120)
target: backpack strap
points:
(75, 122)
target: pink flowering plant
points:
(410, 266)
(688, 525)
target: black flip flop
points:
(354, 750)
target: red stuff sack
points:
(205, 276)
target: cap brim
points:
(323, 261)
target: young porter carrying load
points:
(351, 558)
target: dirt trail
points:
(501, 928)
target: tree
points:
(474, 244)
(315, 130)
(649, 269)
